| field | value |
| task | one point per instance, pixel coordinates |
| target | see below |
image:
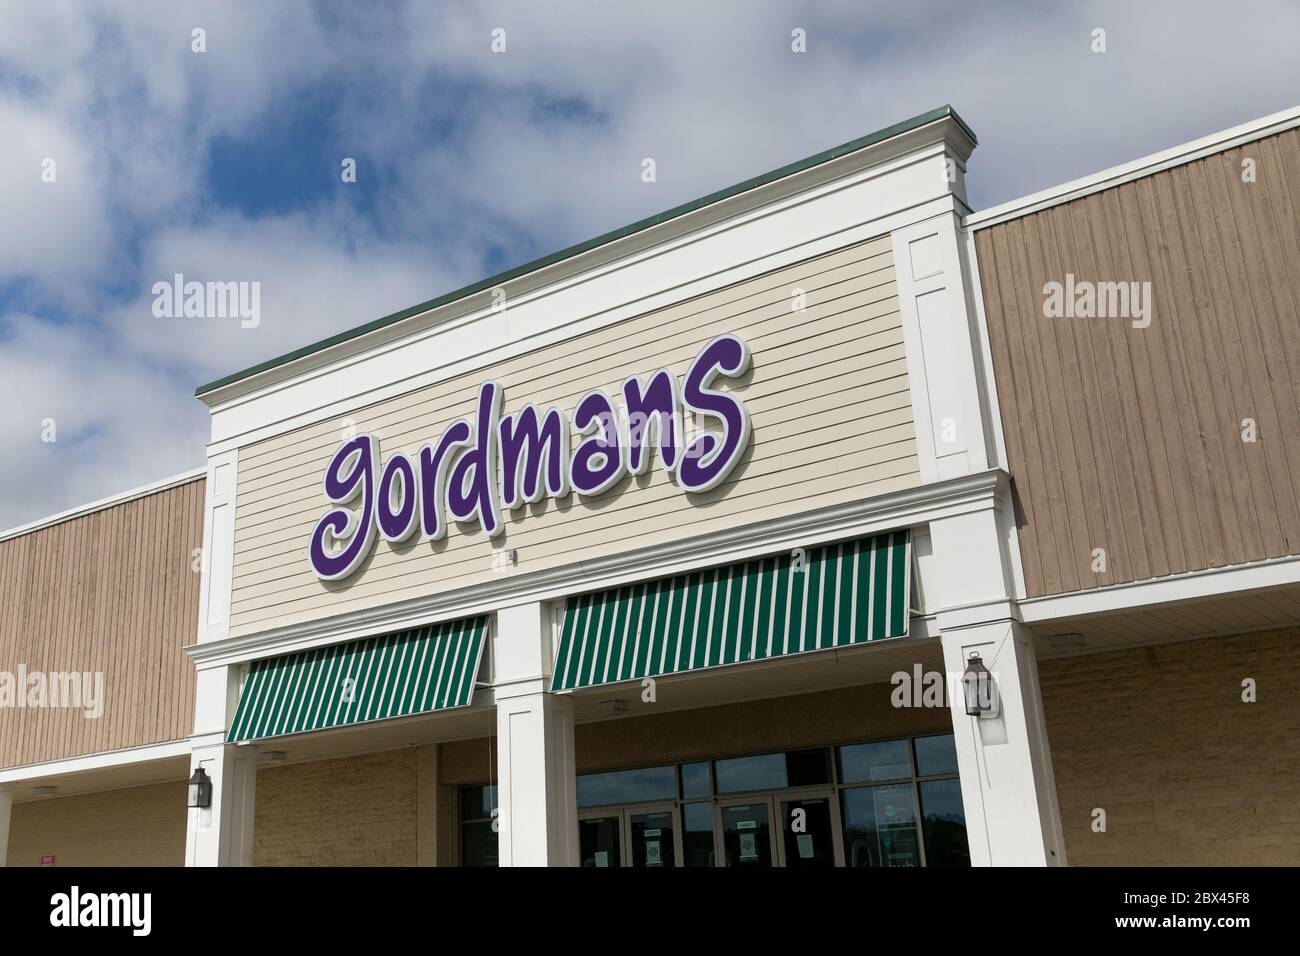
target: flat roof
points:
(1136, 169)
(568, 253)
(112, 501)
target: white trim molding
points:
(96, 761)
(861, 195)
(904, 509)
(1174, 589)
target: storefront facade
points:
(674, 549)
(689, 465)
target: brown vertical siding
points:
(1129, 439)
(111, 592)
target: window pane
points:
(695, 780)
(764, 772)
(478, 845)
(944, 823)
(477, 803)
(935, 755)
(807, 767)
(627, 786)
(879, 760)
(880, 826)
(697, 834)
(798, 768)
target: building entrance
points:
(882, 803)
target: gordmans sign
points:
(484, 465)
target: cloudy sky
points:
(225, 164)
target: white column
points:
(536, 785)
(221, 835)
(6, 811)
(1005, 761)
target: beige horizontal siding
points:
(110, 592)
(828, 396)
(1129, 439)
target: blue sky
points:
(225, 164)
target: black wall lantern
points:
(200, 795)
(977, 683)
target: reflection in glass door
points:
(599, 840)
(880, 826)
(747, 833)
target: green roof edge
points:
(567, 253)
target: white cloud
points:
(479, 159)
(313, 283)
(52, 195)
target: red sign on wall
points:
(47, 860)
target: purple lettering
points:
(435, 460)
(351, 472)
(651, 404)
(598, 460)
(396, 503)
(534, 456)
(709, 459)
(457, 478)
(471, 491)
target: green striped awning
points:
(833, 596)
(395, 675)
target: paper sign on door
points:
(747, 831)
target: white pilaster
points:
(537, 788)
(221, 835)
(218, 547)
(941, 336)
(1005, 761)
(6, 811)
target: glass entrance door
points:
(809, 837)
(600, 840)
(746, 830)
(651, 838)
(634, 836)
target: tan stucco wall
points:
(140, 826)
(1187, 773)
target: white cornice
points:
(1115, 176)
(103, 503)
(901, 509)
(944, 135)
